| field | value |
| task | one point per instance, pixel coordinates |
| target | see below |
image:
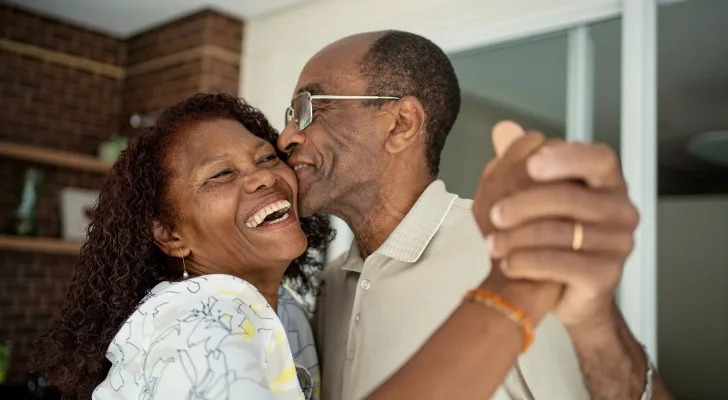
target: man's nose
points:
(290, 138)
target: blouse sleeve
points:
(206, 345)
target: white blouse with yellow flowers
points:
(208, 337)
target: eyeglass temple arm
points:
(336, 97)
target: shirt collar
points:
(410, 238)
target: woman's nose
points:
(260, 179)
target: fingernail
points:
(489, 243)
(496, 215)
(504, 265)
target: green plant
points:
(5, 351)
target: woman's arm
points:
(471, 353)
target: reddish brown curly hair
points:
(120, 263)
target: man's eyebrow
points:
(313, 88)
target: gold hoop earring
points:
(185, 275)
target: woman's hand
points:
(501, 177)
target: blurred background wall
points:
(693, 284)
(277, 45)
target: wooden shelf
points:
(30, 244)
(46, 245)
(53, 157)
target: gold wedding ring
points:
(578, 238)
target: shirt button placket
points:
(364, 285)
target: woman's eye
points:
(221, 174)
(269, 157)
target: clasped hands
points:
(559, 225)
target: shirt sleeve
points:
(204, 345)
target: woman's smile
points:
(274, 212)
(271, 214)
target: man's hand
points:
(560, 214)
(531, 201)
(536, 228)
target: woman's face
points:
(236, 202)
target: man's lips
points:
(300, 166)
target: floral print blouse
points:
(208, 337)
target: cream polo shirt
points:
(374, 314)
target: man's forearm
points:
(614, 364)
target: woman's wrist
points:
(536, 299)
(507, 309)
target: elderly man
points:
(364, 133)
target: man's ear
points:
(168, 241)
(407, 124)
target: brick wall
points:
(200, 52)
(70, 88)
(48, 104)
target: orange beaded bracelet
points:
(508, 309)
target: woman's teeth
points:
(280, 207)
(275, 221)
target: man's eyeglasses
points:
(301, 109)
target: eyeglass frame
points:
(311, 97)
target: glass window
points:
(524, 81)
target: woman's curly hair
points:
(120, 263)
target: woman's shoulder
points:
(221, 286)
(212, 326)
(220, 283)
(212, 296)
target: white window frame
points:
(638, 290)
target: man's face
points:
(337, 154)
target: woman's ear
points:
(408, 124)
(167, 240)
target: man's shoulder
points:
(461, 207)
(458, 238)
(458, 224)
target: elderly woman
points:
(176, 292)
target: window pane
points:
(523, 81)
